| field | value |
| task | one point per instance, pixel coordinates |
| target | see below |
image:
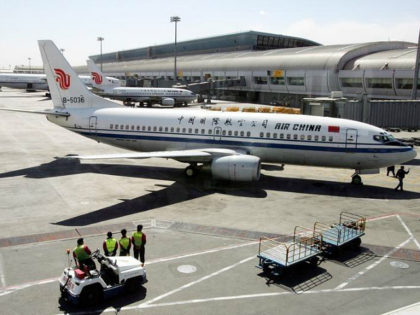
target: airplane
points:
(232, 145)
(33, 82)
(164, 96)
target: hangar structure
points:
(270, 68)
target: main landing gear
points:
(356, 179)
(192, 170)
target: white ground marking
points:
(381, 218)
(190, 284)
(408, 231)
(261, 295)
(14, 288)
(2, 278)
(409, 309)
(360, 273)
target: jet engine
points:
(168, 101)
(243, 168)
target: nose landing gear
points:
(356, 179)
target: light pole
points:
(175, 19)
(29, 63)
(100, 39)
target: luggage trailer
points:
(346, 233)
(324, 239)
(275, 257)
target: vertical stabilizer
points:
(99, 81)
(67, 90)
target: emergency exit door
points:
(351, 138)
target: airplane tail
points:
(67, 90)
(100, 81)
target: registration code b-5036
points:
(73, 99)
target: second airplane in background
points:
(149, 95)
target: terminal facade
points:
(269, 68)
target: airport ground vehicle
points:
(346, 233)
(275, 257)
(116, 275)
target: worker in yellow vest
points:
(139, 240)
(110, 245)
(125, 243)
(81, 254)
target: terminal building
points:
(270, 68)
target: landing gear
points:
(192, 170)
(356, 179)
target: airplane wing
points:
(199, 155)
(43, 112)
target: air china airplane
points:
(164, 96)
(231, 144)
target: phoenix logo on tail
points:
(63, 79)
(97, 77)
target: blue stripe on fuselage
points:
(222, 142)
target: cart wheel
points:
(266, 269)
(356, 243)
(91, 295)
(314, 261)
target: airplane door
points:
(351, 138)
(217, 133)
(93, 121)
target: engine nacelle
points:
(243, 168)
(168, 101)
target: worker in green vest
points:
(81, 254)
(139, 240)
(110, 245)
(125, 243)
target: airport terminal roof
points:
(250, 40)
(334, 57)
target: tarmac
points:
(202, 235)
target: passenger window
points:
(275, 135)
(261, 134)
(302, 137)
(316, 138)
(116, 126)
(149, 128)
(132, 127)
(309, 137)
(172, 129)
(324, 138)
(189, 130)
(281, 136)
(242, 133)
(248, 133)
(235, 133)
(224, 133)
(203, 131)
(178, 130)
(138, 128)
(166, 129)
(288, 136)
(330, 138)
(210, 131)
(268, 135)
(295, 137)
(229, 132)
(143, 128)
(110, 126)
(160, 128)
(127, 127)
(184, 130)
(154, 128)
(196, 131)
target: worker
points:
(390, 169)
(81, 254)
(139, 240)
(110, 245)
(125, 243)
(400, 175)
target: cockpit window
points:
(388, 140)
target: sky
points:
(125, 24)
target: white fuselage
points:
(151, 94)
(278, 138)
